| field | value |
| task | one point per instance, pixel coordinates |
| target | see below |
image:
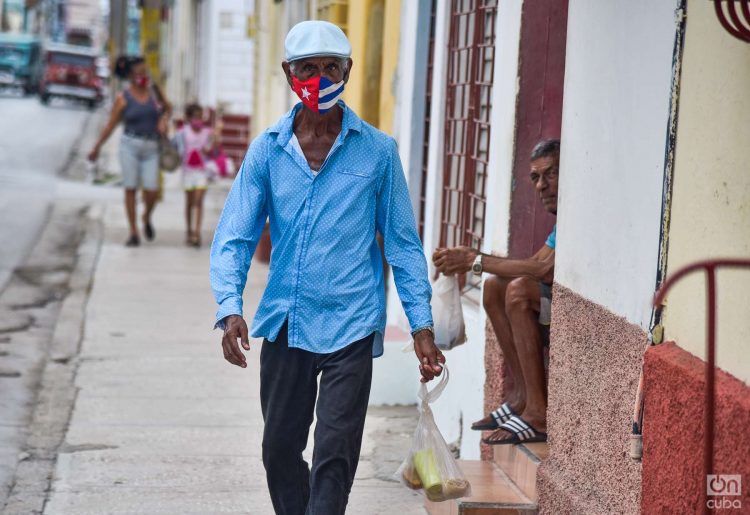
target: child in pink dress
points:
(195, 141)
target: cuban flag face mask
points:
(318, 94)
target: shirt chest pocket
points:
(353, 182)
(351, 172)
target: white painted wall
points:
(226, 65)
(408, 119)
(437, 127)
(711, 194)
(180, 54)
(206, 49)
(86, 15)
(503, 123)
(411, 82)
(615, 113)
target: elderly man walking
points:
(328, 183)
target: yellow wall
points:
(272, 98)
(150, 41)
(711, 197)
(334, 11)
(391, 31)
(365, 29)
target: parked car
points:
(20, 62)
(70, 72)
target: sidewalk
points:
(161, 423)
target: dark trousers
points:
(288, 390)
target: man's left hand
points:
(457, 260)
(430, 357)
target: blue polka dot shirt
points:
(326, 271)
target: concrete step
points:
(520, 462)
(492, 493)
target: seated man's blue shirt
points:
(552, 238)
(326, 271)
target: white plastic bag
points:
(447, 313)
(430, 466)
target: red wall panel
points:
(538, 115)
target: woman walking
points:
(195, 142)
(144, 111)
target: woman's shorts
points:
(139, 160)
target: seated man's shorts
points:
(545, 310)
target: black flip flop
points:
(499, 416)
(148, 230)
(521, 432)
(133, 241)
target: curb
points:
(57, 391)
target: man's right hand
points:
(235, 328)
(456, 260)
(94, 154)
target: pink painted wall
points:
(595, 363)
(673, 432)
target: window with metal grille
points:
(471, 51)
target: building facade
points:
(207, 54)
(650, 102)
(84, 23)
(650, 166)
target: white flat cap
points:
(316, 38)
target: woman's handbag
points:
(430, 466)
(169, 155)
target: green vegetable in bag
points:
(424, 462)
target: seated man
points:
(517, 299)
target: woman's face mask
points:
(318, 94)
(141, 81)
(196, 124)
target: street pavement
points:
(36, 142)
(41, 216)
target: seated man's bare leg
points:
(494, 304)
(522, 309)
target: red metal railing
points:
(709, 266)
(738, 26)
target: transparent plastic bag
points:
(430, 466)
(447, 313)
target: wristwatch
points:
(427, 327)
(476, 268)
